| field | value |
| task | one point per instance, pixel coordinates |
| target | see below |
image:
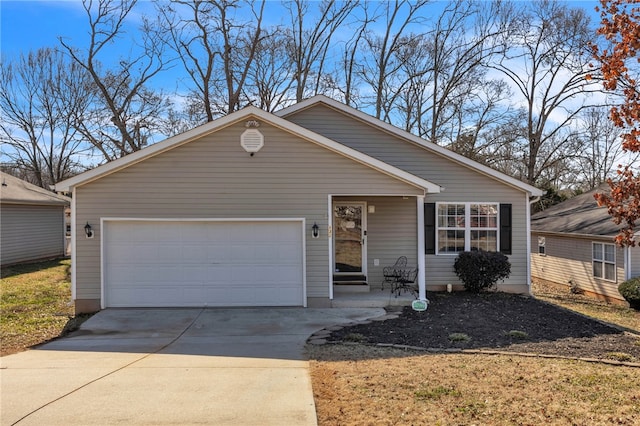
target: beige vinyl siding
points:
(569, 260)
(461, 184)
(31, 232)
(215, 178)
(391, 233)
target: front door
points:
(349, 224)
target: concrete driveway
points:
(172, 366)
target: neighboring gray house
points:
(32, 222)
(572, 244)
(261, 209)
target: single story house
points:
(262, 209)
(32, 222)
(573, 245)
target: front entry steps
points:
(350, 284)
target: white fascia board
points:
(444, 152)
(230, 119)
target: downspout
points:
(534, 200)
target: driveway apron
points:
(172, 366)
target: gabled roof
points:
(17, 191)
(244, 114)
(578, 215)
(430, 146)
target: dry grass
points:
(358, 385)
(586, 305)
(364, 385)
(35, 304)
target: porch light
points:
(88, 231)
(315, 230)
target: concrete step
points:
(351, 287)
(374, 299)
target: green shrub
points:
(630, 290)
(480, 270)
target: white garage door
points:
(203, 263)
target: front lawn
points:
(363, 384)
(35, 304)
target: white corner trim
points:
(330, 242)
(74, 257)
(444, 152)
(528, 239)
(304, 261)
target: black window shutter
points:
(430, 228)
(505, 228)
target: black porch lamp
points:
(88, 230)
(315, 230)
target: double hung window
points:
(604, 261)
(466, 227)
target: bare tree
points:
(466, 37)
(484, 123)
(380, 66)
(216, 49)
(601, 148)
(270, 83)
(309, 43)
(41, 93)
(125, 115)
(547, 64)
(347, 76)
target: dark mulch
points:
(499, 321)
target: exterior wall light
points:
(315, 230)
(88, 231)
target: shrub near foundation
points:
(480, 270)
(630, 290)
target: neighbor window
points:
(604, 261)
(467, 226)
(541, 245)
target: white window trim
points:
(467, 228)
(604, 261)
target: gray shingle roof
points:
(17, 191)
(577, 215)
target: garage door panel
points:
(170, 252)
(193, 253)
(174, 263)
(197, 273)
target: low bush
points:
(480, 270)
(630, 290)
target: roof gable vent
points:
(252, 140)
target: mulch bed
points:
(498, 321)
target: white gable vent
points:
(252, 140)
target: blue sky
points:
(30, 24)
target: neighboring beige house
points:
(572, 245)
(32, 222)
(261, 209)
